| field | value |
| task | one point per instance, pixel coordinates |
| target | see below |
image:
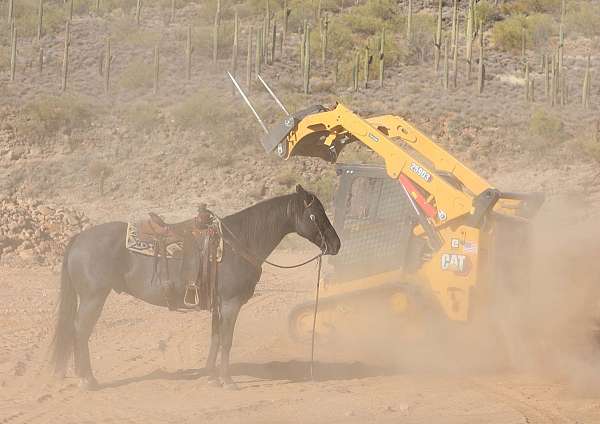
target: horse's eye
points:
(312, 217)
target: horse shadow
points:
(288, 371)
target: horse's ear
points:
(300, 189)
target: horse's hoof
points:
(231, 386)
(214, 382)
(88, 384)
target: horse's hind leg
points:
(88, 313)
(229, 314)
(211, 367)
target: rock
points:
(16, 153)
(46, 210)
(20, 369)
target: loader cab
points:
(375, 223)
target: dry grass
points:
(136, 75)
(46, 116)
(143, 116)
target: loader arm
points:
(434, 171)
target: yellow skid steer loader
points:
(422, 230)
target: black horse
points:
(96, 261)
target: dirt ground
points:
(149, 362)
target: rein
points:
(255, 261)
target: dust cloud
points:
(546, 323)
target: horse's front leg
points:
(229, 314)
(211, 361)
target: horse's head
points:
(313, 224)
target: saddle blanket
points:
(137, 243)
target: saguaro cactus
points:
(70, 11)
(366, 66)
(41, 60)
(455, 59)
(234, 48)
(11, 11)
(526, 85)
(258, 52)
(306, 73)
(409, 21)
(138, 12)
(481, 74)
(438, 38)
(13, 53)
(446, 70)
(188, 53)
(107, 62)
(470, 37)
(40, 19)
(303, 45)
(324, 39)
(156, 67)
(523, 43)
(381, 57)
(249, 59)
(587, 82)
(273, 40)
(65, 66)
(355, 71)
(216, 26)
(454, 35)
(286, 15)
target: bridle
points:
(313, 218)
(236, 244)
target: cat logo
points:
(455, 263)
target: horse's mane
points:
(262, 224)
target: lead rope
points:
(319, 258)
(312, 344)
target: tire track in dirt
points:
(513, 398)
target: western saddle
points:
(197, 243)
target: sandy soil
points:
(149, 362)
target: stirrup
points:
(195, 295)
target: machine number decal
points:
(455, 243)
(420, 172)
(455, 263)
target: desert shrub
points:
(287, 178)
(486, 10)
(507, 34)
(583, 19)
(325, 186)
(588, 146)
(209, 110)
(202, 39)
(205, 109)
(123, 30)
(540, 28)
(46, 116)
(212, 158)
(143, 116)
(531, 6)
(99, 171)
(136, 75)
(545, 129)
(423, 27)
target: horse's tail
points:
(64, 334)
